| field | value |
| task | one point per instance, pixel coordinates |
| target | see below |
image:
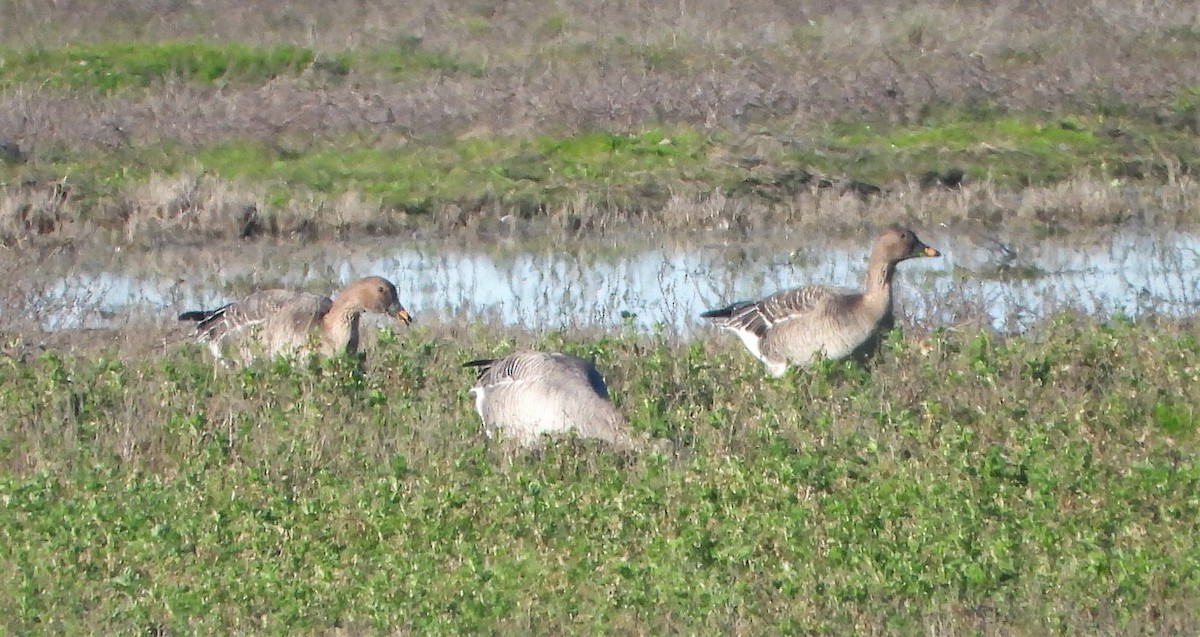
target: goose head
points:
(898, 243)
(375, 294)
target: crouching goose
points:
(285, 322)
(527, 394)
(790, 327)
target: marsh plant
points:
(962, 483)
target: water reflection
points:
(1006, 283)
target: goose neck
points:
(877, 282)
(341, 323)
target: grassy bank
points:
(112, 68)
(336, 118)
(1040, 485)
(668, 179)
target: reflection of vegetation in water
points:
(1019, 272)
(960, 468)
(1001, 272)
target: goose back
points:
(528, 394)
(266, 322)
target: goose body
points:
(285, 322)
(528, 394)
(789, 328)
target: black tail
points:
(724, 312)
(200, 316)
(195, 315)
(481, 366)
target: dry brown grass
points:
(172, 208)
(735, 68)
(621, 66)
(27, 212)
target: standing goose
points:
(790, 327)
(271, 322)
(527, 394)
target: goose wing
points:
(555, 370)
(757, 317)
(298, 310)
(301, 313)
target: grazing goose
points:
(527, 394)
(271, 322)
(790, 327)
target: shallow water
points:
(1006, 282)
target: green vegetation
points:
(1012, 149)
(1008, 149)
(106, 68)
(112, 67)
(587, 118)
(620, 175)
(545, 170)
(1038, 485)
(407, 58)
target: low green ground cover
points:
(1045, 484)
(121, 66)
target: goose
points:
(789, 328)
(527, 394)
(284, 322)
